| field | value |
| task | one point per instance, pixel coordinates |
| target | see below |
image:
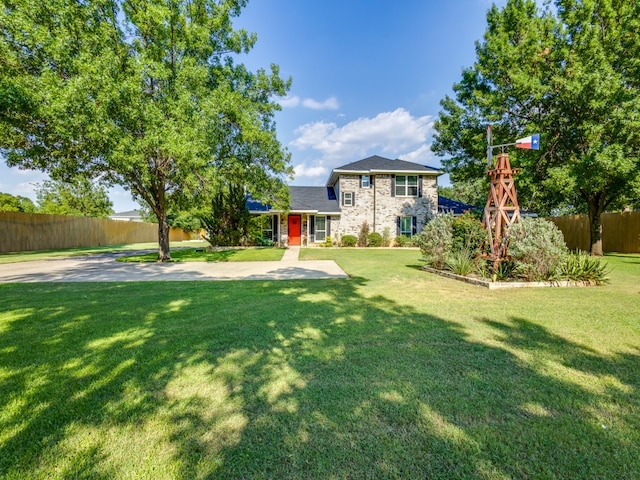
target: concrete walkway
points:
(104, 268)
(291, 254)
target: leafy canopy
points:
(81, 197)
(572, 74)
(16, 203)
(145, 93)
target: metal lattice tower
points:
(502, 208)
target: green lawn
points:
(15, 257)
(392, 373)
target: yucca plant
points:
(461, 262)
(581, 267)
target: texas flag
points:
(531, 143)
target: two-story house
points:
(387, 194)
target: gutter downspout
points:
(372, 179)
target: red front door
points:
(294, 229)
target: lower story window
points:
(407, 226)
(321, 229)
(269, 227)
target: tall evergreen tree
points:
(137, 90)
(571, 73)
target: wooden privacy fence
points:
(20, 232)
(620, 231)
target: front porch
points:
(304, 229)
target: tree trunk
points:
(164, 253)
(595, 227)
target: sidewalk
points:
(291, 254)
(104, 268)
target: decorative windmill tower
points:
(502, 209)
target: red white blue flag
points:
(530, 143)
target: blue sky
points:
(368, 76)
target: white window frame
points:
(346, 195)
(403, 189)
(320, 234)
(272, 228)
(366, 184)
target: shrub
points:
(349, 241)
(363, 236)
(468, 233)
(404, 241)
(537, 247)
(327, 243)
(375, 239)
(436, 240)
(581, 267)
(386, 237)
(264, 242)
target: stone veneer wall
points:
(376, 206)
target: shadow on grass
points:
(296, 379)
(198, 254)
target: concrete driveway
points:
(104, 268)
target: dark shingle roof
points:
(380, 164)
(303, 199)
(446, 205)
(256, 206)
(316, 199)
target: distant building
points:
(447, 205)
(130, 216)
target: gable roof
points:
(313, 199)
(377, 164)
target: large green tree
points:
(16, 203)
(137, 90)
(81, 197)
(570, 71)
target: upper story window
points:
(365, 181)
(406, 186)
(347, 199)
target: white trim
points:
(315, 232)
(265, 212)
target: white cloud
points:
(26, 189)
(330, 103)
(290, 102)
(303, 170)
(396, 134)
(388, 133)
(422, 155)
